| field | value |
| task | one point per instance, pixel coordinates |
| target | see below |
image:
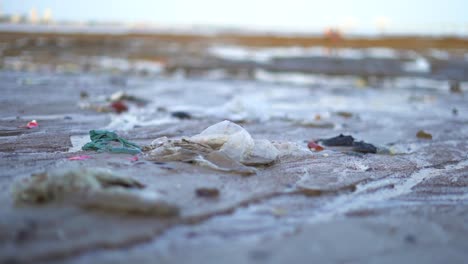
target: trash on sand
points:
(117, 102)
(30, 124)
(363, 147)
(123, 96)
(423, 135)
(344, 114)
(84, 95)
(119, 107)
(224, 146)
(80, 157)
(207, 192)
(455, 87)
(348, 141)
(134, 158)
(102, 141)
(314, 146)
(315, 123)
(339, 141)
(181, 115)
(88, 188)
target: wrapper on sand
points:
(224, 146)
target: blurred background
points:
(239, 39)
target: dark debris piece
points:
(339, 141)
(181, 115)
(84, 95)
(207, 192)
(348, 141)
(423, 135)
(363, 147)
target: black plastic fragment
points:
(339, 141)
(363, 147)
(181, 115)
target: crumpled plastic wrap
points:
(91, 188)
(224, 146)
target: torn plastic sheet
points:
(224, 146)
(91, 188)
(101, 141)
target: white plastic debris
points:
(91, 188)
(229, 138)
(224, 146)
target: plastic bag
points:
(91, 188)
(224, 146)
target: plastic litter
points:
(348, 141)
(134, 158)
(101, 141)
(119, 107)
(363, 147)
(339, 141)
(423, 135)
(80, 157)
(207, 192)
(123, 96)
(224, 146)
(31, 124)
(181, 115)
(314, 146)
(118, 102)
(84, 95)
(344, 114)
(88, 188)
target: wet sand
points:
(333, 206)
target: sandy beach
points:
(405, 202)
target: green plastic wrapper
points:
(101, 141)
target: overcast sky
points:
(426, 16)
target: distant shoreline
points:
(234, 37)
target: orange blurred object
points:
(312, 145)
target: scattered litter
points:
(80, 157)
(339, 141)
(316, 123)
(277, 211)
(314, 146)
(134, 158)
(31, 124)
(345, 114)
(101, 141)
(290, 149)
(98, 189)
(348, 141)
(455, 87)
(181, 115)
(224, 146)
(117, 102)
(207, 192)
(84, 95)
(123, 96)
(423, 135)
(119, 107)
(363, 147)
